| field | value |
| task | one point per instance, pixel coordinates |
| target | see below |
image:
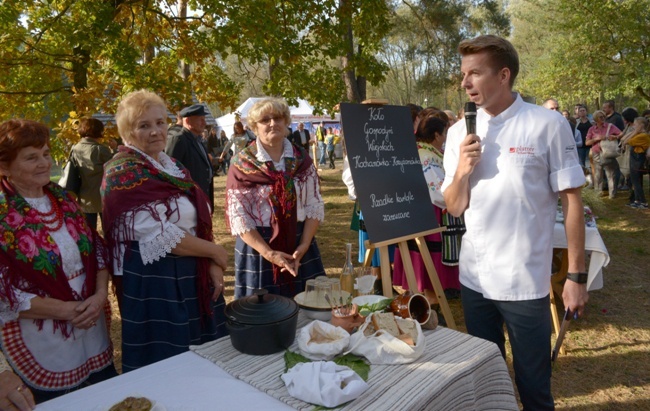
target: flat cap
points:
(193, 110)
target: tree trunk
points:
(149, 54)
(80, 67)
(355, 87)
(184, 66)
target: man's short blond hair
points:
(500, 51)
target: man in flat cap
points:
(186, 147)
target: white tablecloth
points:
(186, 382)
(599, 254)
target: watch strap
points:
(580, 278)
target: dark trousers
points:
(91, 218)
(582, 155)
(637, 160)
(330, 155)
(529, 330)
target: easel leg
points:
(556, 287)
(386, 280)
(408, 266)
(555, 319)
(435, 281)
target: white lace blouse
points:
(157, 238)
(310, 203)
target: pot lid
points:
(261, 308)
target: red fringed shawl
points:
(30, 259)
(247, 172)
(133, 183)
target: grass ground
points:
(607, 364)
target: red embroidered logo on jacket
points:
(521, 150)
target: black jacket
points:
(295, 138)
(186, 148)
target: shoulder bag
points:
(71, 177)
(609, 148)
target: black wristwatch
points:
(580, 278)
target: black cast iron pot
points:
(262, 323)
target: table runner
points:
(456, 372)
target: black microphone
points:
(470, 117)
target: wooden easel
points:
(556, 288)
(401, 242)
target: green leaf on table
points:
(366, 309)
(292, 358)
(355, 363)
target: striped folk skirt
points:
(160, 310)
(253, 271)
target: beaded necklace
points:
(54, 216)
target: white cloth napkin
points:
(324, 383)
(337, 341)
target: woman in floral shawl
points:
(53, 280)
(159, 229)
(274, 207)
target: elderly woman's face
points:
(271, 129)
(30, 171)
(150, 131)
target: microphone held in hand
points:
(470, 117)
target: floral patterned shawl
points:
(132, 183)
(247, 171)
(30, 259)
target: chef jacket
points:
(528, 156)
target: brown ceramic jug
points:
(410, 305)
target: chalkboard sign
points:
(386, 171)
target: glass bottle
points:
(347, 274)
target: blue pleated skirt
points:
(160, 310)
(253, 271)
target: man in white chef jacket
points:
(506, 179)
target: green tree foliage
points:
(421, 50)
(63, 59)
(591, 50)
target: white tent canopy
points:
(303, 112)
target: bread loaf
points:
(133, 404)
(408, 327)
(386, 322)
(370, 329)
(407, 339)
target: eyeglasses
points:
(267, 120)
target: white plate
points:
(368, 299)
(300, 299)
(317, 313)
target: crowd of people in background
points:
(624, 169)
